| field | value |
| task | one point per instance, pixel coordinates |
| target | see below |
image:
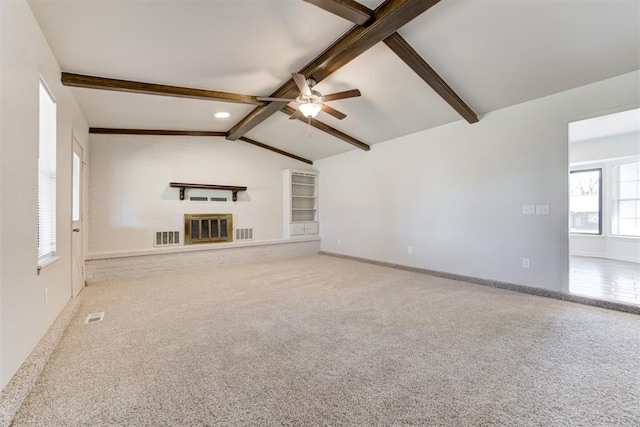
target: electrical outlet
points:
(339, 241)
(410, 250)
(528, 210)
(46, 296)
(526, 263)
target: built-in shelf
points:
(183, 185)
(300, 202)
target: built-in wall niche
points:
(300, 202)
(208, 228)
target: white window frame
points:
(47, 177)
(601, 204)
(616, 199)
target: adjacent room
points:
(604, 206)
(320, 212)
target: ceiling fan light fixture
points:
(310, 109)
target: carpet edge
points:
(547, 293)
(20, 385)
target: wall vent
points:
(94, 317)
(167, 238)
(244, 233)
(206, 199)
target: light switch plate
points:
(542, 209)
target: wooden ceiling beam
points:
(92, 82)
(159, 132)
(328, 129)
(404, 50)
(388, 17)
(274, 149)
(154, 132)
(350, 10)
(354, 12)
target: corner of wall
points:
(25, 316)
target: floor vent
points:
(244, 233)
(167, 238)
(94, 317)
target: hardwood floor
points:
(605, 279)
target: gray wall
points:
(454, 194)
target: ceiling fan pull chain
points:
(309, 126)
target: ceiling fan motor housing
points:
(315, 97)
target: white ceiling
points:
(493, 53)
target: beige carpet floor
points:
(327, 341)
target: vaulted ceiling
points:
(489, 53)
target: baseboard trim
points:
(600, 256)
(22, 382)
(611, 305)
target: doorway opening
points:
(604, 207)
(77, 241)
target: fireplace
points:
(208, 228)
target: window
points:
(75, 201)
(626, 199)
(585, 203)
(47, 178)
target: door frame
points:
(77, 149)
(566, 277)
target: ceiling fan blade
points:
(342, 95)
(335, 113)
(266, 98)
(301, 81)
(296, 115)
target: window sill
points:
(626, 237)
(601, 236)
(47, 263)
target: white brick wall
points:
(105, 269)
(130, 198)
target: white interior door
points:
(77, 258)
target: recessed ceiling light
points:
(222, 115)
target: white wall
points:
(605, 148)
(24, 57)
(455, 193)
(130, 197)
(604, 153)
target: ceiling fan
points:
(312, 101)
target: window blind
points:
(47, 176)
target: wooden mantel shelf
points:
(233, 188)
